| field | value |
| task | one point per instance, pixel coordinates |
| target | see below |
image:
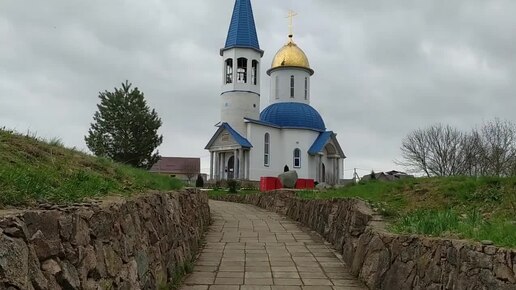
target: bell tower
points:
(241, 63)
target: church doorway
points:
(323, 177)
(231, 167)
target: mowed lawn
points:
(35, 171)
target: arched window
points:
(254, 72)
(242, 70)
(266, 150)
(276, 88)
(291, 86)
(306, 88)
(229, 71)
(297, 158)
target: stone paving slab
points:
(248, 248)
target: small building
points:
(182, 168)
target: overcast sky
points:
(382, 68)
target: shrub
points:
(232, 186)
(199, 182)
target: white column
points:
(235, 154)
(221, 171)
(211, 165)
(338, 170)
(320, 169)
(217, 165)
(248, 165)
(224, 173)
(334, 171)
(244, 164)
(240, 163)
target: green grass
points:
(36, 171)
(462, 207)
(449, 222)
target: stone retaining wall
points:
(136, 243)
(385, 260)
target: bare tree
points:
(472, 151)
(498, 141)
(415, 152)
(441, 150)
(190, 172)
(445, 156)
(436, 151)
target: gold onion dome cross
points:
(291, 15)
(290, 55)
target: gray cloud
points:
(382, 69)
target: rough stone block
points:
(288, 179)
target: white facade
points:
(283, 142)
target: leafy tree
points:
(125, 129)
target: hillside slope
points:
(34, 171)
(482, 208)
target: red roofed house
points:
(182, 168)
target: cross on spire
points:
(290, 16)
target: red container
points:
(268, 183)
(301, 183)
(310, 184)
(278, 184)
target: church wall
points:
(280, 91)
(256, 135)
(302, 139)
(282, 145)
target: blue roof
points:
(320, 142)
(242, 30)
(234, 134)
(238, 138)
(293, 115)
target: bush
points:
(199, 182)
(233, 186)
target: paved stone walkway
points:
(252, 249)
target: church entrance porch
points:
(231, 167)
(229, 164)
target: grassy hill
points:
(35, 171)
(462, 207)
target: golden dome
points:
(290, 55)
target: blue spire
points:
(242, 30)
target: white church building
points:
(249, 143)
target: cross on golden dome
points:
(290, 17)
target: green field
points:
(36, 171)
(460, 207)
